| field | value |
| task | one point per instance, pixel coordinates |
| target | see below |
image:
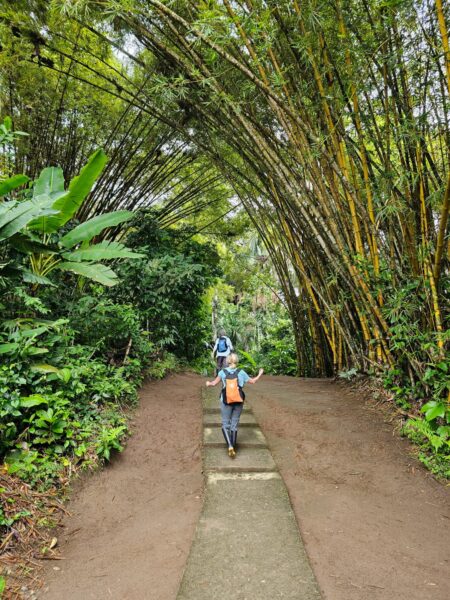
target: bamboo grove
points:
(330, 120)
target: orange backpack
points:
(232, 393)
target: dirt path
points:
(133, 523)
(376, 526)
(375, 523)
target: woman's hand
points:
(261, 371)
(213, 383)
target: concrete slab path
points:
(247, 544)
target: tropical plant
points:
(167, 287)
(37, 227)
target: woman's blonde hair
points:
(232, 359)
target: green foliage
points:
(261, 332)
(8, 139)
(73, 353)
(278, 354)
(246, 360)
(62, 417)
(167, 287)
(34, 227)
(109, 439)
(12, 183)
(84, 232)
(349, 374)
(109, 327)
(163, 365)
(62, 384)
(425, 390)
(434, 444)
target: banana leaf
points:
(28, 245)
(50, 181)
(95, 271)
(31, 277)
(103, 251)
(86, 231)
(67, 202)
(12, 183)
(20, 214)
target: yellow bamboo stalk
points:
(443, 224)
(423, 207)
(444, 35)
(436, 309)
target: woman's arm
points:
(255, 379)
(212, 383)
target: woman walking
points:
(232, 398)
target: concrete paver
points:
(247, 545)
(249, 459)
(247, 437)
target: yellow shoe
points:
(231, 452)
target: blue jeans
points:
(231, 414)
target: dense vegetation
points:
(278, 169)
(75, 342)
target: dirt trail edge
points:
(375, 523)
(132, 524)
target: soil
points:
(375, 523)
(132, 524)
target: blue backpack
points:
(222, 345)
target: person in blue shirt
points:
(222, 349)
(232, 398)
